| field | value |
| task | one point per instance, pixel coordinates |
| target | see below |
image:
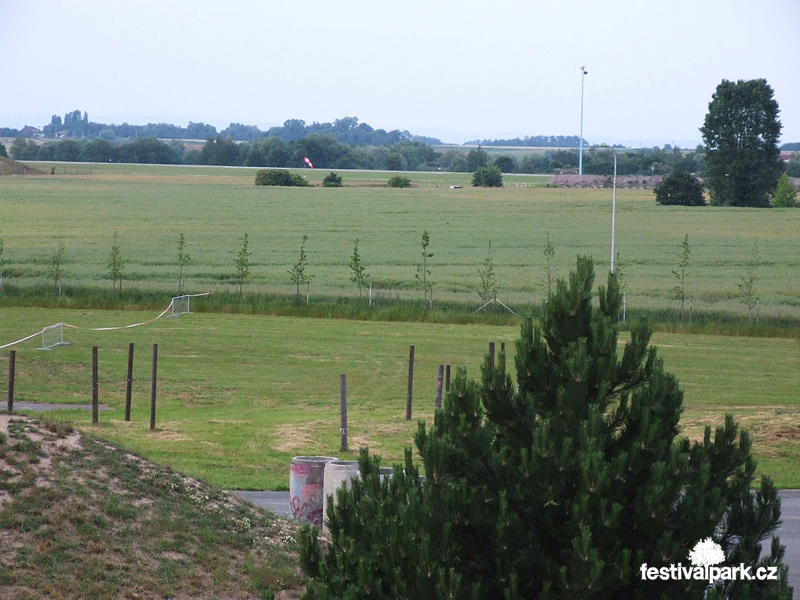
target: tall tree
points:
(740, 133)
(569, 484)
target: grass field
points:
(239, 395)
(82, 205)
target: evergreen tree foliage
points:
(562, 487)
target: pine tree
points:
(561, 486)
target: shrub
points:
(680, 188)
(785, 194)
(280, 177)
(562, 486)
(398, 181)
(332, 180)
(489, 176)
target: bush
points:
(785, 195)
(680, 188)
(398, 181)
(332, 180)
(280, 177)
(562, 486)
(487, 177)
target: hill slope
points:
(80, 518)
(12, 167)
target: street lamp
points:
(584, 72)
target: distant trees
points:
(477, 158)
(3, 151)
(489, 176)
(506, 164)
(680, 188)
(740, 133)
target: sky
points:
(457, 70)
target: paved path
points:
(789, 532)
(44, 406)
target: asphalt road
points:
(789, 531)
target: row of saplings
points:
(571, 482)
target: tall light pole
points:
(584, 72)
(613, 209)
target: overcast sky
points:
(452, 69)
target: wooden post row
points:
(410, 381)
(153, 389)
(95, 391)
(343, 409)
(12, 359)
(439, 379)
(129, 385)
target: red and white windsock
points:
(308, 162)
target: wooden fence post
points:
(153, 389)
(410, 381)
(129, 386)
(343, 409)
(94, 386)
(12, 359)
(439, 379)
(447, 379)
(491, 353)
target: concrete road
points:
(789, 532)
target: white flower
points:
(706, 552)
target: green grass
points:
(214, 206)
(239, 395)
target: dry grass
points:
(80, 518)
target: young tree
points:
(297, 273)
(184, 260)
(2, 262)
(740, 133)
(115, 263)
(488, 280)
(684, 258)
(359, 276)
(549, 273)
(785, 194)
(422, 269)
(566, 484)
(398, 181)
(747, 285)
(56, 267)
(243, 266)
(680, 188)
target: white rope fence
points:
(166, 310)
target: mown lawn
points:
(239, 395)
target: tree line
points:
(325, 151)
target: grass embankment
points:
(213, 207)
(239, 395)
(84, 519)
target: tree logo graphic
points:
(706, 553)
